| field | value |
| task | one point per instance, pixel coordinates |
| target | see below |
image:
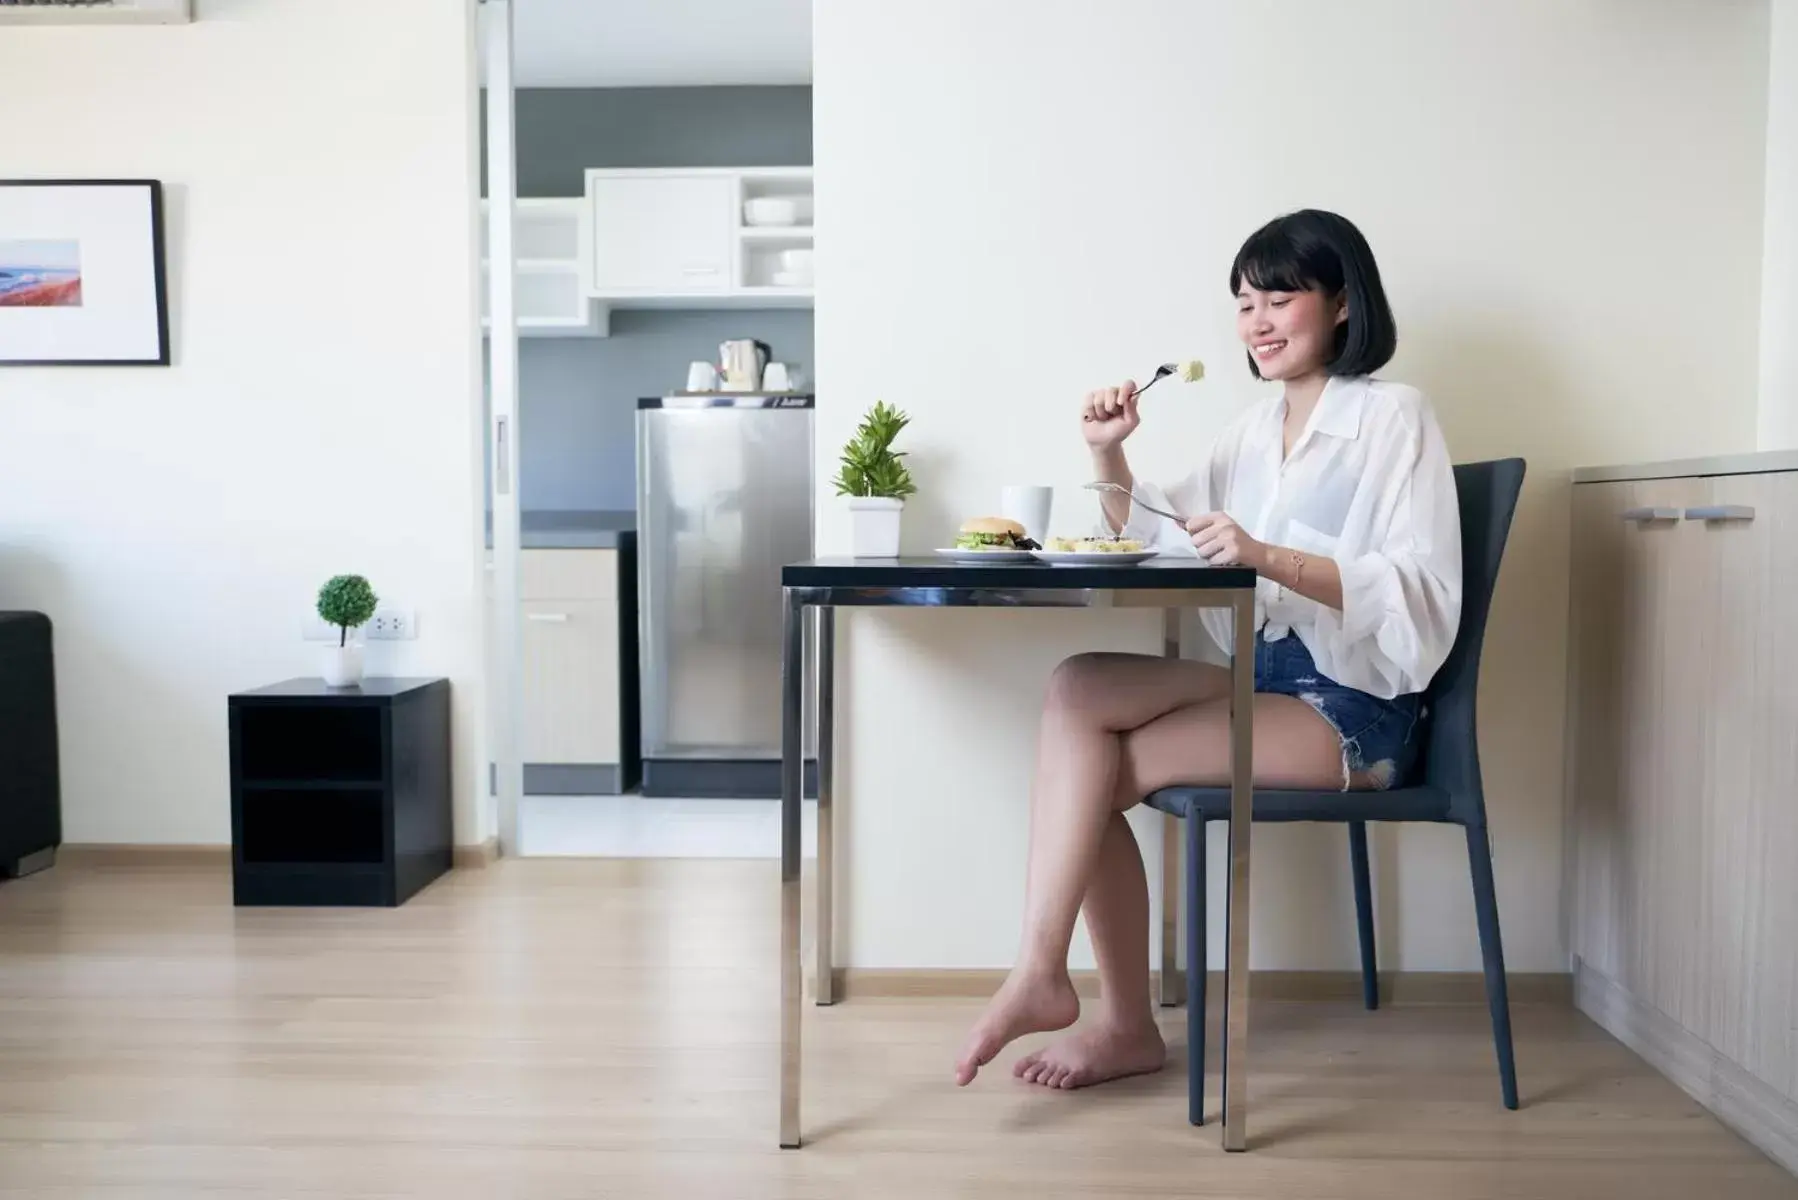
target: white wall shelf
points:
(551, 241)
(797, 234)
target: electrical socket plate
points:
(387, 625)
(391, 625)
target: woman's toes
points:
(1027, 1064)
(1023, 1004)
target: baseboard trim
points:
(126, 854)
(1396, 987)
(478, 856)
(1764, 1117)
(108, 854)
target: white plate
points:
(977, 556)
(1091, 558)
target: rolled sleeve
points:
(1402, 614)
(1401, 602)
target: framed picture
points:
(82, 275)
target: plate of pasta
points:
(1116, 552)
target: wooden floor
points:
(576, 1029)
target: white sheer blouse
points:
(1369, 484)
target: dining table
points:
(814, 590)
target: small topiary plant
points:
(870, 466)
(346, 601)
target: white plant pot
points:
(875, 526)
(342, 666)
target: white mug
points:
(702, 377)
(775, 378)
(1029, 505)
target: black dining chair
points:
(1445, 788)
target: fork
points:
(1101, 486)
(1161, 372)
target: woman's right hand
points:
(1108, 416)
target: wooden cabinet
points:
(1683, 782)
(578, 685)
(570, 691)
(662, 233)
(1752, 772)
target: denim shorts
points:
(1379, 737)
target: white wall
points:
(1779, 270)
(1020, 200)
(322, 411)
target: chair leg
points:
(1485, 906)
(1370, 973)
(1195, 969)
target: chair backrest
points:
(1487, 493)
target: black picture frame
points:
(159, 267)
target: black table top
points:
(372, 687)
(934, 572)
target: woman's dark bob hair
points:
(1311, 250)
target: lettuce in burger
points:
(993, 533)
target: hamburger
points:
(993, 533)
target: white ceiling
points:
(661, 43)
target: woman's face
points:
(1289, 334)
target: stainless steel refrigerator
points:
(724, 500)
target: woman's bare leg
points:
(1124, 1040)
(1294, 748)
(1093, 700)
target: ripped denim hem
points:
(1379, 776)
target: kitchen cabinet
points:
(550, 257)
(685, 238)
(1683, 783)
(659, 233)
(578, 690)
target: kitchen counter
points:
(572, 529)
(1764, 462)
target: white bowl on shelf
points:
(798, 258)
(792, 279)
(776, 210)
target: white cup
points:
(702, 377)
(775, 378)
(1028, 505)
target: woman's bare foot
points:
(1094, 1055)
(1023, 1004)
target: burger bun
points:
(992, 525)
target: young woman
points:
(1339, 492)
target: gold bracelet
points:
(1298, 569)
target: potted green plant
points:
(874, 477)
(346, 601)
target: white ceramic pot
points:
(875, 526)
(342, 666)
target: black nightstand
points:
(339, 796)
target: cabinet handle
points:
(1640, 515)
(1721, 512)
(699, 270)
(548, 618)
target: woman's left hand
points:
(1221, 542)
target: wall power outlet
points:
(387, 625)
(391, 625)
